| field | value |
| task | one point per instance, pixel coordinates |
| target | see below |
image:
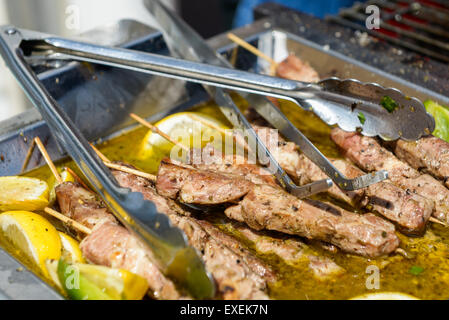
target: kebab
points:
(368, 154)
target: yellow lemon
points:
(71, 251)
(32, 235)
(385, 296)
(23, 193)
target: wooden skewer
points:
(78, 179)
(118, 167)
(70, 222)
(139, 173)
(252, 49)
(156, 130)
(48, 159)
(100, 154)
(28, 156)
(434, 220)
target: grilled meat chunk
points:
(199, 186)
(294, 68)
(369, 155)
(409, 211)
(239, 274)
(428, 153)
(111, 244)
(114, 246)
(271, 208)
(291, 250)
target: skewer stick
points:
(135, 172)
(70, 222)
(159, 132)
(28, 156)
(252, 49)
(78, 179)
(434, 220)
(48, 159)
(118, 167)
(100, 154)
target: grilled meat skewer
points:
(239, 274)
(369, 155)
(409, 211)
(430, 154)
(269, 207)
(109, 243)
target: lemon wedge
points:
(441, 115)
(385, 296)
(32, 235)
(191, 129)
(94, 282)
(23, 193)
(71, 251)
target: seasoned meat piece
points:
(295, 69)
(112, 245)
(82, 205)
(270, 208)
(213, 160)
(428, 153)
(368, 154)
(409, 211)
(198, 186)
(290, 250)
(109, 243)
(239, 274)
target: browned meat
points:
(368, 154)
(239, 274)
(82, 205)
(199, 186)
(409, 211)
(271, 208)
(290, 250)
(213, 160)
(428, 153)
(294, 68)
(111, 244)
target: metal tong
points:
(168, 244)
(310, 95)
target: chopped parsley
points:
(416, 270)
(388, 103)
(361, 117)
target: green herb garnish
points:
(416, 270)
(361, 117)
(388, 103)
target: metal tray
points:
(98, 100)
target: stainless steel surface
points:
(186, 43)
(168, 243)
(335, 101)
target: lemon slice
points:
(191, 129)
(32, 235)
(23, 193)
(86, 281)
(71, 251)
(385, 296)
(441, 115)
